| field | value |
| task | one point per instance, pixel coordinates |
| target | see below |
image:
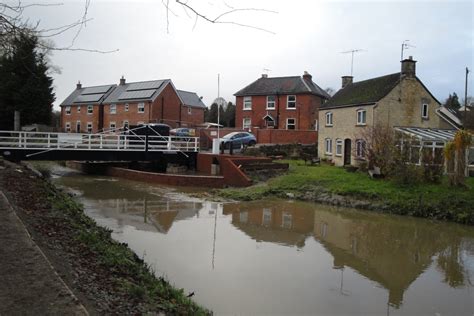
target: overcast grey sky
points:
(308, 35)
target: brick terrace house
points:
(116, 106)
(289, 103)
(396, 100)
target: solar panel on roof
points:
(140, 94)
(144, 85)
(96, 90)
(88, 98)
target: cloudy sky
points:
(301, 35)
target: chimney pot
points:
(264, 75)
(346, 80)
(122, 81)
(409, 67)
(307, 76)
(78, 85)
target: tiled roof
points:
(191, 99)
(85, 95)
(137, 91)
(364, 92)
(282, 85)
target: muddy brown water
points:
(284, 257)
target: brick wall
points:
(196, 117)
(305, 113)
(83, 117)
(280, 136)
(132, 115)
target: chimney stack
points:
(307, 76)
(78, 85)
(122, 81)
(409, 67)
(346, 80)
(264, 76)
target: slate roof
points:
(282, 85)
(191, 99)
(364, 92)
(88, 95)
(137, 91)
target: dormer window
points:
(424, 111)
(329, 119)
(361, 117)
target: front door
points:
(78, 127)
(347, 151)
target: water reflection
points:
(299, 258)
(391, 251)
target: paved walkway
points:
(29, 284)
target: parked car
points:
(183, 131)
(237, 139)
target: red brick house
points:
(289, 103)
(99, 108)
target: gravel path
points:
(28, 283)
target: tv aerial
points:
(352, 51)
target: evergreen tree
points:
(229, 115)
(452, 101)
(212, 114)
(25, 85)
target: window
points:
(189, 110)
(125, 125)
(286, 220)
(112, 125)
(329, 119)
(291, 102)
(271, 102)
(90, 109)
(141, 107)
(360, 148)
(78, 109)
(424, 110)
(126, 107)
(328, 146)
(89, 127)
(267, 217)
(339, 147)
(290, 123)
(361, 117)
(247, 122)
(68, 110)
(113, 108)
(247, 103)
(68, 127)
(244, 217)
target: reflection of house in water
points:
(391, 252)
(141, 213)
(280, 223)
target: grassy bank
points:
(109, 276)
(337, 186)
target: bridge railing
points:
(77, 141)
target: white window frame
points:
(112, 125)
(288, 123)
(189, 110)
(141, 107)
(328, 146)
(247, 104)
(90, 109)
(78, 109)
(339, 147)
(288, 107)
(68, 127)
(246, 126)
(425, 108)
(329, 119)
(360, 144)
(113, 109)
(316, 125)
(67, 110)
(89, 127)
(361, 117)
(271, 104)
(126, 107)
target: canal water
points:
(281, 257)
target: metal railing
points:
(99, 142)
